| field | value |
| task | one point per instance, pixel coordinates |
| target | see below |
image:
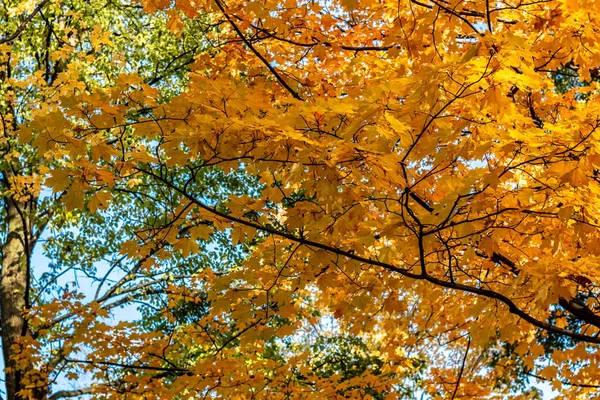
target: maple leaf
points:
(99, 201)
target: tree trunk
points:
(14, 285)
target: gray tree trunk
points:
(14, 279)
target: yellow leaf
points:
(187, 246)
(402, 130)
(174, 24)
(58, 180)
(576, 178)
(100, 201)
(73, 198)
(237, 235)
(327, 280)
(549, 373)
(564, 214)
(201, 231)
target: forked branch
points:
(513, 308)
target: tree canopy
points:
(304, 199)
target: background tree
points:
(49, 48)
(82, 49)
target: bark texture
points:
(13, 291)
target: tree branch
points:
(24, 24)
(462, 369)
(257, 53)
(121, 365)
(490, 294)
(73, 393)
(564, 382)
(580, 311)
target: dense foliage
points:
(332, 199)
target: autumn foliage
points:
(305, 199)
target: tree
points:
(420, 177)
(46, 48)
(87, 45)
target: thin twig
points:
(462, 368)
(564, 382)
(128, 366)
(487, 14)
